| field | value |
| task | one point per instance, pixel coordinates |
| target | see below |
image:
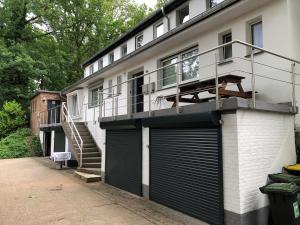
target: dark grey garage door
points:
(123, 166)
(186, 171)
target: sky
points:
(150, 3)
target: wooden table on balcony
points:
(193, 89)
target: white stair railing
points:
(66, 117)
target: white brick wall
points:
(255, 144)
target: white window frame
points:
(210, 4)
(122, 52)
(100, 64)
(119, 85)
(111, 57)
(92, 104)
(178, 11)
(179, 68)
(249, 33)
(71, 106)
(91, 69)
(222, 51)
(110, 88)
(155, 26)
(136, 40)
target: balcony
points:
(251, 78)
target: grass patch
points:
(20, 144)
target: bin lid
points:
(280, 188)
(295, 167)
(285, 178)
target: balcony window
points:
(119, 85)
(169, 73)
(139, 41)
(182, 15)
(74, 106)
(95, 96)
(212, 3)
(257, 34)
(190, 67)
(100, 64)
(91, 69)
(110, 88)
(111, 57)
(158, 30)
(226, 52)
(124, 50)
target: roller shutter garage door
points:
(186, 171)
(123, 167)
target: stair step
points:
(86, 150)
(87, 177)
(86, 141)
(96, 171)
(90, 154)
(92, 165)
(91, 160)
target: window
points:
(226, 52)
(74, 106)
(109, 89)
(158, 30)
(256, 34)
(119, 85)
(91, 69)
(100, 64)
(139, 41)
(124, 50)
(169, 73)
(95, 96)
(182, 15)
(189, 68)
(212, 3)
(111, 57)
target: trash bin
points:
(293, 169)
(283, 203)
(284, 178)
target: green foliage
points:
(161, 3)
(43, 42)
(12, 117)
(20, 144)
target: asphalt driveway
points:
(32, 193)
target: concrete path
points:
(32, 193)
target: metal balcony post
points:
(149, 93)
(50, 116)
(100, 107)
(113, 103)
(293, 85)
(253, 79)
(177, 87)
(217, 82)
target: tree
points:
(12, 117)
(161, 3)
(43, 42)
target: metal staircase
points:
(84, 147)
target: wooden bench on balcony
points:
(189, 92)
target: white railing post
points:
(293, 85)
(149, 93)
(217, 82)
(100, 107)
(117, 105)
(253, 79)
(177, 86)
(113, 103)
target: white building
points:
(208, 155)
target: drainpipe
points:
(166, 16)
